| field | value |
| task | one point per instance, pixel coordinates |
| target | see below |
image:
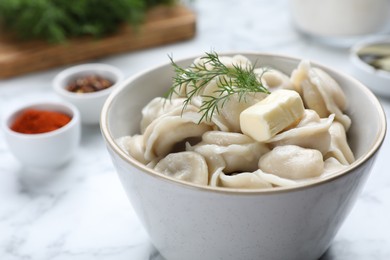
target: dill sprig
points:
(237, 79)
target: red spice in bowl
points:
(35, 121)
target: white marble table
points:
(81, 211)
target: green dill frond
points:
(230, 81)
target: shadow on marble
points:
(329, 254)
(32, 179)
(90, 134)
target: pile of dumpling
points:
(173, 142)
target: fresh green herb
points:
(230, 81)
(59, 20)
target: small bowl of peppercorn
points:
(44, 135)
(87, 86)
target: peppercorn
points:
(88, 84)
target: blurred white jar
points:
(340, 19)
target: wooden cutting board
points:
(163, 25)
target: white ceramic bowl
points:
(377, 80)
(49, 150)
(187, 221)
(89, 104)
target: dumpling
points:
(244, 180)
(320, 92)
(186, 166)
(275, 180)
(339, 147)
(274, 79)
(239, 152)
(215, 162)
(311, 132)
(217, 120)
(292, 162)
(182, 91)
(233, 107)
(236, 60)
(299, 75)
(157, 107)
(254, 180)
(229, 111)
(227, 118)
(214, 176)
(225, 139)
(333, 88)
(185, 89)
(250, 180)
(309, 117)
(180, 142)
(134, 146)
(228, 61)
(332, 165)
(211, 89)
(166, 131)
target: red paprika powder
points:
(34, 121)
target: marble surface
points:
(81, 211)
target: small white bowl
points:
(89, 104)
(377, 80)
(189, 221)
(48, 150)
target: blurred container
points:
(378, 80)
(89, 104)
(340, 22)
(44, 151)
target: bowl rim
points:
(75, 118)
(65, 74)
(112, 144)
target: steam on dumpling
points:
(292, 162)
(186, 166)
